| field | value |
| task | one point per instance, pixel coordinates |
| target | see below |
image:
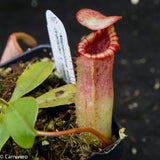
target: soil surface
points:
(136, 69)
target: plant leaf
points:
(20, 118)
(95, 20)
(4, 134)
(59, 96)
(31, 78)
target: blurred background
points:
(137, 63)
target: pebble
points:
(147, 120)
(133, 105)
(133, 139)
(152, 69)
(144, 139)
(34, 3)
(136, 92)
(127, 93)
(45, 143)
(140, 61)
(123, 121)
(134, 151)
(135, 2)
(155, 107)
(157, 84)
(123, 62)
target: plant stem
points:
(2, 101)
(106, 140)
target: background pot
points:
(39, 51)
(112, 152)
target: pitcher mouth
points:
(100, 43)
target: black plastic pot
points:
(39, 51)
(112, 152)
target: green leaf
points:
(31, 78)
(59, 96)
(20, 119)
(4, 134)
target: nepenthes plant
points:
(92, 94)
(13, 48)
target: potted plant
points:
(92, 95)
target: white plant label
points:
(60, 47)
